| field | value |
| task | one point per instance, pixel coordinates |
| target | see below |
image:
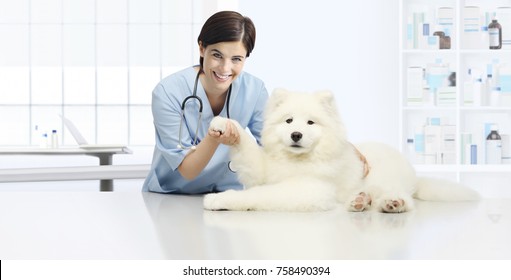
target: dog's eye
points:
(310, 122)
(290, 120)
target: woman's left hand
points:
(228, 137)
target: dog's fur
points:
(307, 164)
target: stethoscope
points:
(196, 141)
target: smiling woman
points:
(188, 158)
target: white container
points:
(54, 139)
(506, 149)
(493, 146)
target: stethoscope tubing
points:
(183, 106)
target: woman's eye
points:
(217, 55)
(290, 120)
(310, 122)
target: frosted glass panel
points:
(112, 85)
(96, 62)
(112, 124)
(14, 132)
(47, 11)
(144, 42)
(165, 71)
(78, 11)
(79, 85)
(46, 85)
(78, 45)
(46, 45)
(14, 85)
(112, 11)
(141, 126)
(14, 46)
(176, 11)
(112, 45)
(142, 82)
(14, 11)
(144, 11)
(84, 118)
(176, 40)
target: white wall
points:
(350, 49)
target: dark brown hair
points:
(227, 26)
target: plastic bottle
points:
(494, 146)
(43, 143)
(495, 97)
(54, 139)
(478, 92)
(410, 145)
(489, 85)
(495, 34)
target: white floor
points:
(134, 225)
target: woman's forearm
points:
(196, 160)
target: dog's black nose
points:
(296, 136)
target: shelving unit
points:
(464, 53)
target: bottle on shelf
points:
(495, 34)
(54, 139)
(494, 146)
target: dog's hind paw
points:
(218, 124)
(393, 206)
(360, 202)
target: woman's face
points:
(223, 62)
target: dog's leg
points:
(229, 200)
(303, 195)
(247, 156)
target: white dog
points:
(307, 164)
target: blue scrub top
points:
(247, 102)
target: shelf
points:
(486, 109)
(428, 108)
(458, 59)
(432, 52)
(453, 168)
(485, 51)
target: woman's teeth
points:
(222, 77)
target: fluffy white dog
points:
(306, 163)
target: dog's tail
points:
(433, 189)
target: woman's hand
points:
(230, 135)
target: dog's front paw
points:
(221, 201)
(211, 202)
(218, 124)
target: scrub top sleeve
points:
(167, 116)
(256, 122)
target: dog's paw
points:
(211, 202)
(218, 124)
(223, 201)
(393, 206)
(362, 201)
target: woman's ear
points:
(201, 49)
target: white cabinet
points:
(452, 87)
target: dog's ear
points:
(327, 99)
(277, 98)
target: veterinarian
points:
(188, 158)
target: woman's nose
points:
(226, 65)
